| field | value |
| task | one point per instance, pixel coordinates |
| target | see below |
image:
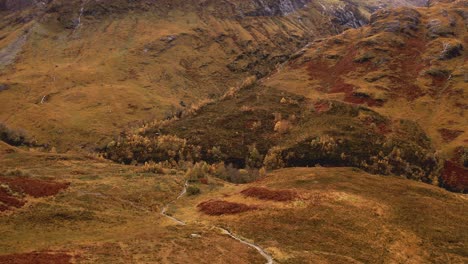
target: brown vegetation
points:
(449, 135)
(455, 177)
(36, 258)
(13, 190)
(7, 200)
(218, 207)
(322, 106)
(33, 187)
(267, 194)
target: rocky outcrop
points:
(403, 20)
(8, 54)
(451, 50)
(348, 16)
(14, 5)
(276, 7)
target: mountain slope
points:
(77, 71)
(376, 98)
(409, 63)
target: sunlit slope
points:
(84, 71)
(107, 214)
(339, 215)
(110, 213)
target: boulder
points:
(451, 50)
(3, 87)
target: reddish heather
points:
(34, 187)
(449, 135)
(7, 200)
(455, 177)
(331, 82)
(36, 258)
(217, 207)
(17, 187)
(322, 106)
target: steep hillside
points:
(388, 98)
(409, 63)
(74, 72)
(233, 131)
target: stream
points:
(79, 16)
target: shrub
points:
(17, 173)
(246, 108)
(194, 108)
(451, 50)
(219, 170)
(151, 167)
(137, 148)
(274, 159)
(193, 190)
(15, 137)
(272, 195)
(282, 126)
(231, 174)
(198, 171)
(463, 153)
(254, 158)
(215, 154)
(241, 175)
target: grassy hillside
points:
(376, 98)
(225, 138)
(77, 73)
(409, 63)
(110, 213)
(342, 215)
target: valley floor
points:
(110, 213)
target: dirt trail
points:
(164, 210)
(224, 231)
(260, 250)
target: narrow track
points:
(224, 231)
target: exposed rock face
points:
(349, 16)
(9, 53)
(13, 5)
(451, 50)
(404, 20)
(276, 7)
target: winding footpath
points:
(164, 210)
(224, 231)
(260, 250)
